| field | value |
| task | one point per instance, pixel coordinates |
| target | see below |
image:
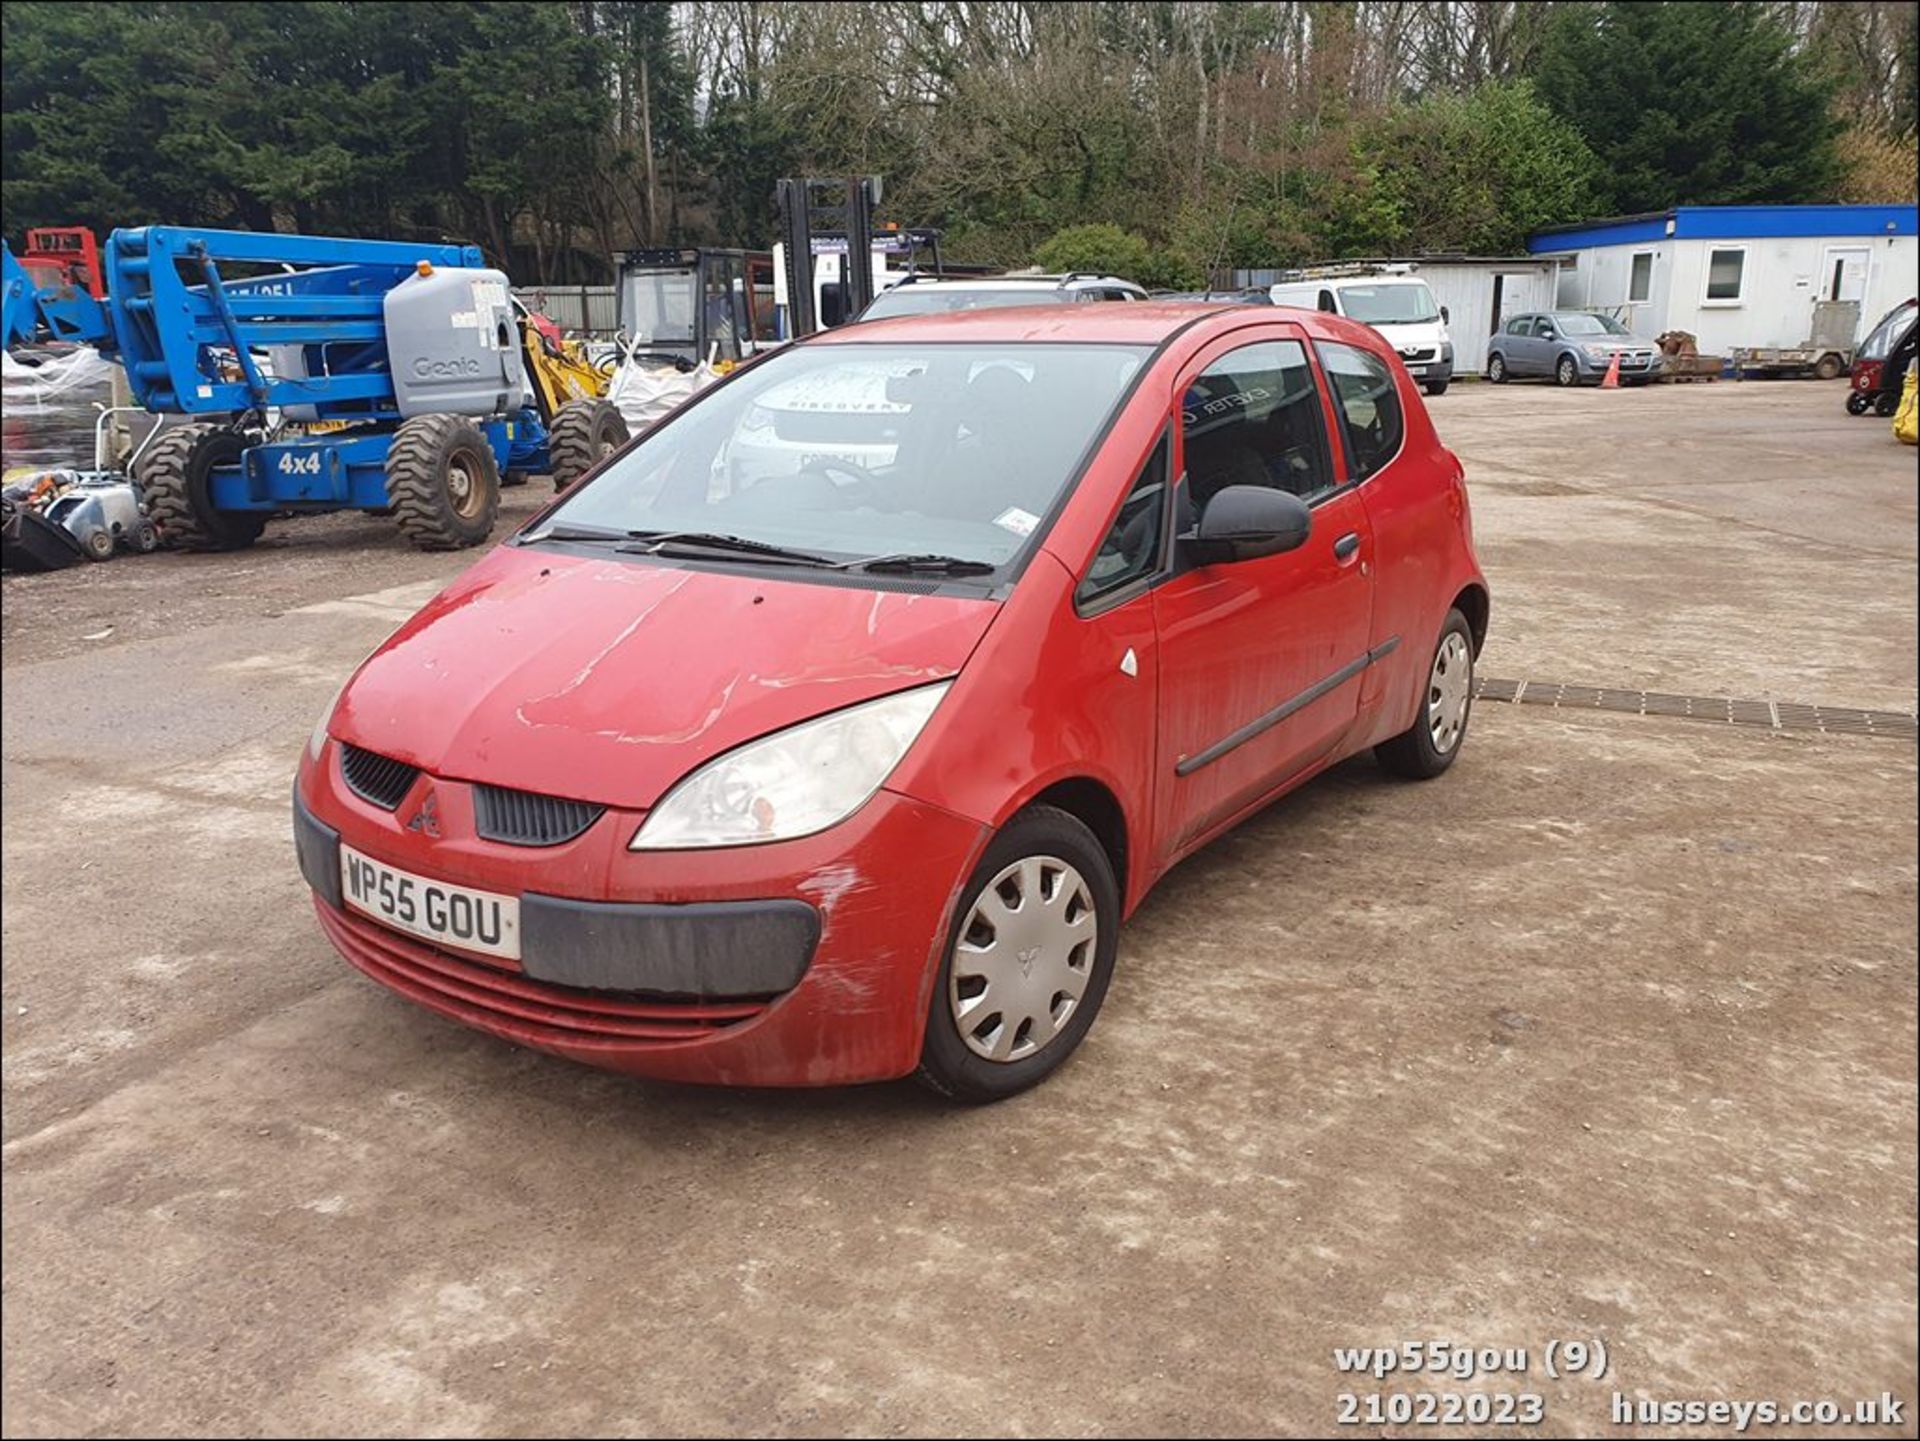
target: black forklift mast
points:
(813, 208)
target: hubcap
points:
(461, 489)
(1024, 958)
(1449, 691)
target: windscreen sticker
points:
(1020, 522)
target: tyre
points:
(98, 545)
(510, 478)
(584, 433)
(146, 540)
(1828, 368)
(443, 482)
(1567, 373)
(1438, 386)
(1859, 403)
(1429, 745)
(1027, 963)
(175, 474)
(1886, 403)
(1497, 368)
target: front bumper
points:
(803, 962)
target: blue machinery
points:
(399, 367)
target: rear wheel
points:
(1886, 403)
(1567, 373)
(1497, 368)
(1828, 368)
(584, 433)
(443, 482)
(146, 539)
(1027, 963)
(176, 475)
(1429, 745)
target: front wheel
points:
(1497, 369)
(1429, 745)
(1859, 402)
(1028, 960)
(443, 482)
(1438, 385)
(1567, 373)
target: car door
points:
(1260, 660)
(1546, 341)
(1515, 342)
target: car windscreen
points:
(934, 299)
(1402, 304)
(860, 450)
(1879, 345)
(1583, 324)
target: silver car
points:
(1572, 346)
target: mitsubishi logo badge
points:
(426, 820)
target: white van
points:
(1390, 298)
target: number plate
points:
(433, 910)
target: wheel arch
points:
(1476, 605)
(1097, 808)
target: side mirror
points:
(1245, 522)
(1445, 315)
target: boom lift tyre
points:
(175, 473)
(443, 482)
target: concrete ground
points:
(1610, 1034)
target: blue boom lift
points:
(324, 374)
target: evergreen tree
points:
(1688, 102)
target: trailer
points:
(317, 374)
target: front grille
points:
(508, 1003)
(520, 818)
(376, 779)
(1413, 357)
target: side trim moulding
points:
(1227, 744)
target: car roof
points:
(999, 282)
(1140, 322)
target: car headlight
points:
(758, 417)
(317, 742)
(1598, 352)
(793, 782)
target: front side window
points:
(1726, 274)
(1131, 549)
(861, 450)
(1369, 405)
(1543, 327)
(657, 305)
(1253, 418)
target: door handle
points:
(1347, 546)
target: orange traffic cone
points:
(1612, 382)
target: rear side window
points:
(1253, 418)
(1520, 325)
(1132, 547)
(1369, 405)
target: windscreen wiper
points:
(576, 534)
(652, 542)
(922, 565)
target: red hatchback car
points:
(828, 731)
